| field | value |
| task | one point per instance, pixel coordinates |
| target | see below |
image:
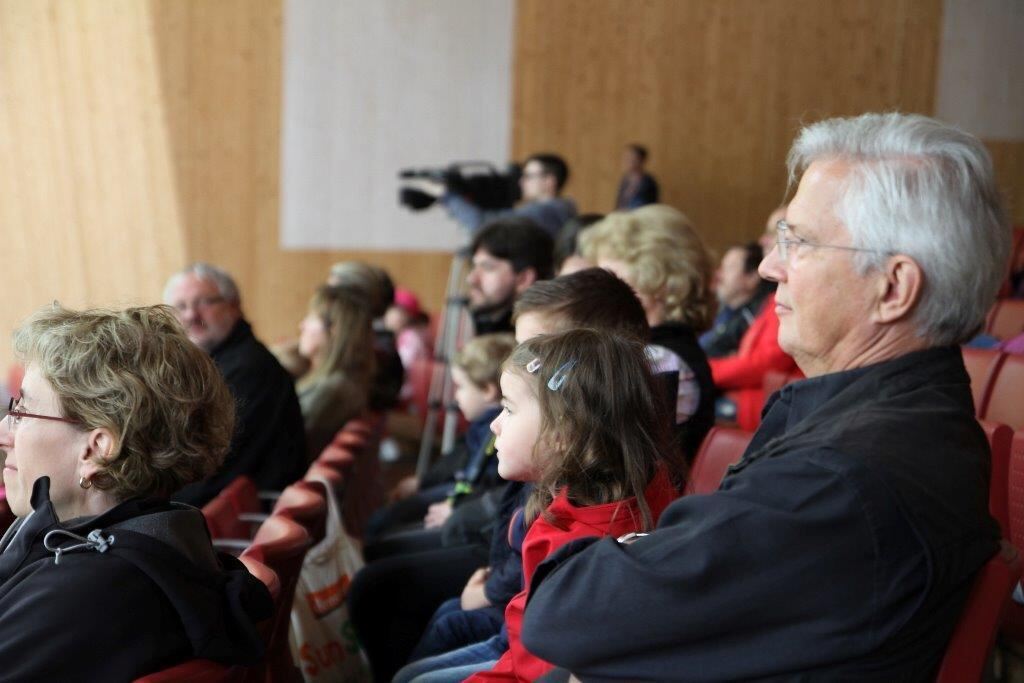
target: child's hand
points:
(437, 514)
(405, 488)
(473, 596)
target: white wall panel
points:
(372, 87)
(981, 68)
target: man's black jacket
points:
(269, 444)
(841, 547)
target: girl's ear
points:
(492, 394)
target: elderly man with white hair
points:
(269, 443)
(844, 542)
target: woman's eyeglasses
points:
(15, 414)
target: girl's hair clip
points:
(558, 379)
(533, 366)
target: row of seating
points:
(273, 546)
(1005, 319)
(997, 384)
(988, 607)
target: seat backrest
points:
(721, 447)
(194, 671)
(999, 438)
(353, 440)
(281, 544)
(223, 512)
(305, 502)
(1015, 495)
(419, 376)
(221, 519)
(975, 633)
(982, 366)
(1007, 320)
(332, 476)
(364, 491)
(243, 494)
(337, 458)
(1006, 395)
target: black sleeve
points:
(505, 580)
(506, 561)
(728, 582)
(69, 626)
(444, 468)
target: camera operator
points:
(541, 183)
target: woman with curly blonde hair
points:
(656, 250)
(117, 410)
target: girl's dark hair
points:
(603, 435)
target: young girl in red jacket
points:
(582, 419)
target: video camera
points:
(478, 181)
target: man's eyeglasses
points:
(789, 243)
(203, 302)
(15, 415)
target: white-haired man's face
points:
(824, 305)
(206, 315)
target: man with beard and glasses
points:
(508, 256)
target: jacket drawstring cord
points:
(94, 541)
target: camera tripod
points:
(454, 330)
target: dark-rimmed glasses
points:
(785, 238)
(15, 415)
(203, 302)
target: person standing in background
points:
(637, 187)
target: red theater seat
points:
(1006, 394)
(281, 544)
(1013, 624)
(364, 492)
(226, 515)
(721, 447)
(982, 366)
(321, 472)
(999, 439)
(1006, 320)
(194, 671)
(975, 633)
(305, 502)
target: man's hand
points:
(437, 515)
(473, 596)
(405, 488)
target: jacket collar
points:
(239, 332)
(804, 405)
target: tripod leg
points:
(446, 344)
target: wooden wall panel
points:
(86, 215)
(221, 69)
(139, 135)
(715, 88)
(1008, 159)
